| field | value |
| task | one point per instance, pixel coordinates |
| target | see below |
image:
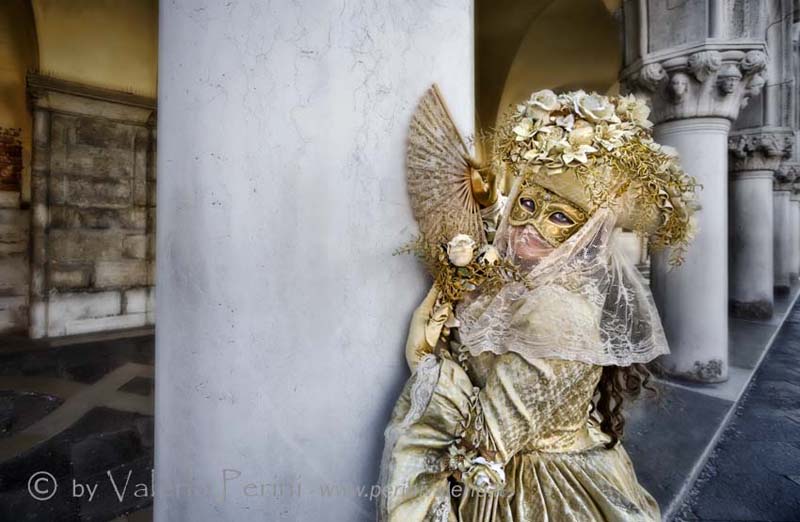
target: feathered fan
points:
(439, 169)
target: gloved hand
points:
(484, 183)
(426, 327)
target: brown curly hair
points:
(616, 384)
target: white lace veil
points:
(585, 302)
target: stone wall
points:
(93, 195)
(13, 236)
(14, 259)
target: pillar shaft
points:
(794, 237)
(696, 90)
(282, 310)
(782, 239)
(40, 187)
(752, 277)
(755, 155)
(693, 298)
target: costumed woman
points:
(537, 325)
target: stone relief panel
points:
(97, 259)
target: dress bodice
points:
(565, 428)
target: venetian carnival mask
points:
(554, 218)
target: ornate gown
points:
(535, 410)
(538, 415)
(523, 366)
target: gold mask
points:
(554, 217)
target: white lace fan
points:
(439, 167)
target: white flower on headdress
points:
(634, 109)
(541, 104)
(671, 152)
(524, 129)
(654, 146)
(489, 255)
(533, 154)
(578, 154)
(461, 250)
(609, 136)
(551, 133)
(594, 107)
(566, 122)
(582, 134)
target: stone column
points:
(40, 174)
(282, 311)
(782, 231)
(695, 95)
(755, 155)
(794, 233)
(782, 238)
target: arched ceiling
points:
(500, 26)
(525, 45)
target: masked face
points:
(553, 217)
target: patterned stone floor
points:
(85, 407)
(753, 474)
(72, 415)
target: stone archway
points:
(522, 46)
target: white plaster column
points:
(693, 298)
(782, 238)
(282, 311)
(794, 234)
(751, 292)
(755, 155)
(696, 93)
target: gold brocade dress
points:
(537, 413)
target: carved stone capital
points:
(785, 176)
(704, 64)
(706, 80)
(759, 149)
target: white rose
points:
(489, 255)
(461, 250)
(594, 107)
(542, 103)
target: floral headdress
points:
(606, 142)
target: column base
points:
(703, 372)
(751, 309)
